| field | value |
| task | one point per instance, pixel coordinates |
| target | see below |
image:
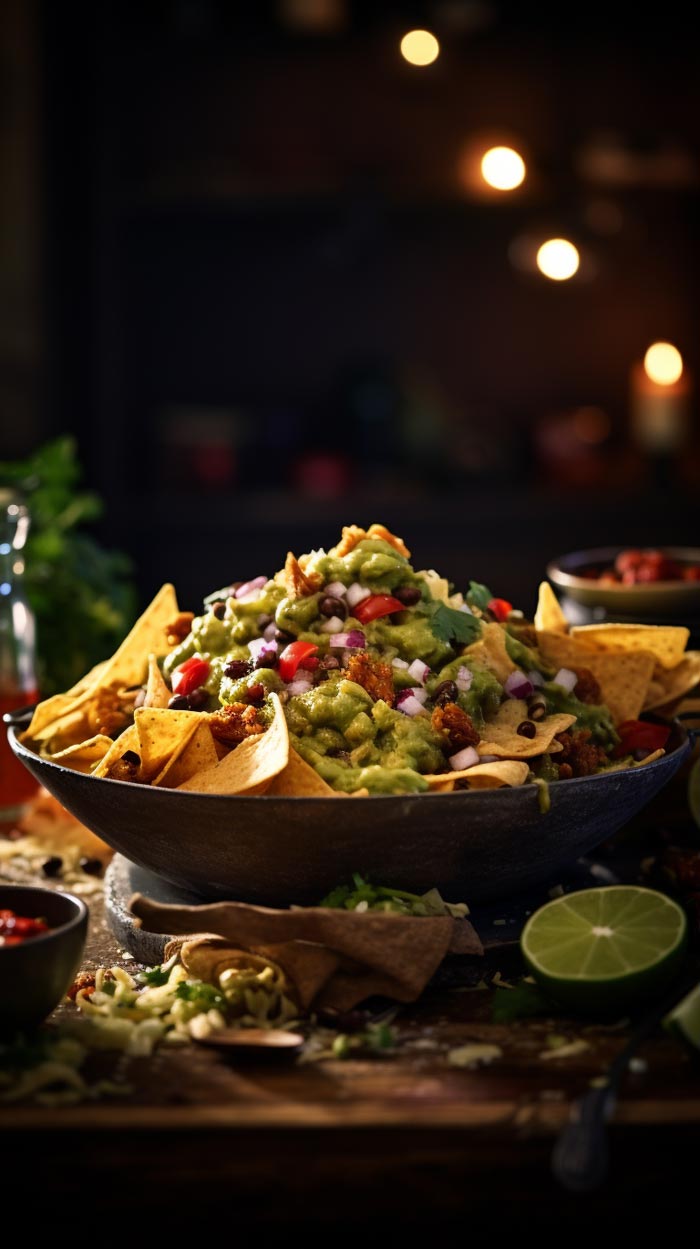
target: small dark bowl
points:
(35, 974)
(473, 846)
(653, 600)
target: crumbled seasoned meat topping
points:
(84, 982)
(587, 689)
(299, 584)
(373, 675)
(234, 723)
(456, 725)
(579, 755)
(179, 628)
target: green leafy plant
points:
(81, 594)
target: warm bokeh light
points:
(663, 364)
(419, 47)
(558, 259)
(503, 168)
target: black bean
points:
(281, 636)
(93, 867)
(130, 756)
(329, 663)
(198, 699)
(409, 595)
(267, 660)
(537, 709)
(238, 668)
(255, 693)
(264, 620)
(52, 866)
(330, 606)
(527, 729)
(446, 692)
(178, 702)
(219, 609)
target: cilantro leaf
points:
(154, 977)
(450, 625)
(478, 595)
(202, 995)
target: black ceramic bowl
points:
(35, 974)
(476, 846)
(655, 600)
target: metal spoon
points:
(580, 1157)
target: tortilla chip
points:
(549, 616)
(83, 756)
(162, 735)
(501, 737)
(300, 780)
(157, 692)
(669, 685)
(250, 767)
(196, 754)
(666, 642)
(128, 740)
(655, 754)
(623, 675)
(482, 776)
(490, 652)
(68, 730)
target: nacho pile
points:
(350, 673)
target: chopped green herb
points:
(478, 595)
(451, 625)
(154, 977)
(198, 993)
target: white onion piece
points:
(299, 685)
(536, 677)
(259, 647)
(334, 589)
(410, 706)
(247, 591)
(399, 663)
(419, 671)
(269, 631)
(464, 679)
(464, 759)
(417, 691)
(466, 609)
(356, 593)
(333, 625)
(518, 686)
(354, 640)
(566, 678)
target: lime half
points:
(684, 1020)
(605, 950)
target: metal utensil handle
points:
(20, 718)
(580, 1156)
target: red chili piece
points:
(292, 657)
(188, 676)
(375, 606)
(16, 928)
(500, 607)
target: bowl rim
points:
(75, 921)
(565, 580)
(684, 744)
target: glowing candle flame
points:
(663, 364)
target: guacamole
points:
(387, 675)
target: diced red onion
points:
(333, 625)
(300, 685)
(464, 759)
(335, 589)
(355, 594)
(518, 686)
(399, 663)
(536, 677)
(464, 679)
(409, 704)
(566, 678)
(247, 591)
(354, 640)
(260, 647)
(419, 671)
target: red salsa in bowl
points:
(16, 928)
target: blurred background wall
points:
(249, 260)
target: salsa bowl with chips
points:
(354, 714)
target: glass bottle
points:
(18, 684)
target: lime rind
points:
(684, 1019)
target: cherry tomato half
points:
(188, 676)
(292, 656)
(375, 606)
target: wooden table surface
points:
(404, 1138)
